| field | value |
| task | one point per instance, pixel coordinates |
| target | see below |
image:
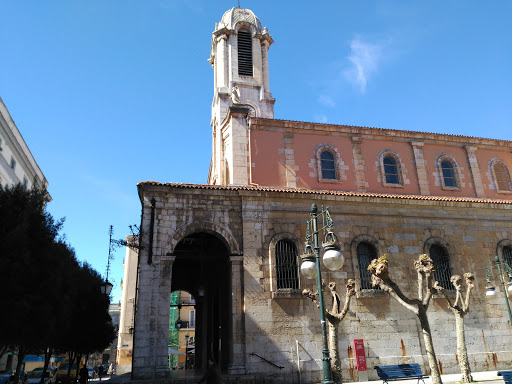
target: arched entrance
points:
(202, 267)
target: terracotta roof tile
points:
(327, 192)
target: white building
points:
(17, 165)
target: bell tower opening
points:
(203, 270)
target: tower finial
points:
(238, 3)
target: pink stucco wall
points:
(276, 149)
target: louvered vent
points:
(244, 53)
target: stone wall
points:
(250, 218)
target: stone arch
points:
(456, 170)
(499, 249)
(217, 230)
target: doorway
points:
(202, 268)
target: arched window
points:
(244, 53)
(501, 176)
(328, 165)
(448, 173)
(442, 268)
(366, 252)
(507, 254)
(391, 170)
(287, 272)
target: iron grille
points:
(365, 254)
(287, 272)
(244, 53)
(507, 255)
(442, 268)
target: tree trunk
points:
(47, 355)
(429, 346)
(462, 352)
(21, 356)
(334, 350)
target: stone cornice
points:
(381, 133)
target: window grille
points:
(287, 272)
(244, 53)
(507, 255)
(366, 252)
(328, 165)
(391, 170)
(442, 268)
(502, 177)
(448, 171)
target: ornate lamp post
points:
(186, 350)
(310, 267)
(491, 289)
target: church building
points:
(235, 243)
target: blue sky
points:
(110, 93)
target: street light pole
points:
(497, 260)
(326, 359)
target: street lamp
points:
(106, 287)
(186, 349)
(491, 289)
(310, 267)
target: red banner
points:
(360, 356)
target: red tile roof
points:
(326, 192)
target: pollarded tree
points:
(334, 317)
(426, 288)
(460, 308)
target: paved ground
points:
(487, 377)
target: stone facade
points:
(267, 324)
(17, 165)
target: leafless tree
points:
(426, 288)
(460, 308)
(334, 317)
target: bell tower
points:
(239, 57)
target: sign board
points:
(360, 356)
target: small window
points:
(502, 176)
(13, 163)
(328, 165)
(391, 170)
(244, 53)
(1, 147)
(287, 272)
(24, 181)
(192, 318)
(366, 252)
(442, 268)
(448, 171)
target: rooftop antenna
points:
(238, 3)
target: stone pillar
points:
(421, 171)
(289, 160)
(475, 170)
(359, 164)
(222, 67)
(152, 319)
(163, 313)
(264, 61)
(237, 352)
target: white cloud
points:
(326, 100)
(365, 58)
(321, 119)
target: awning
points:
(171, 351)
